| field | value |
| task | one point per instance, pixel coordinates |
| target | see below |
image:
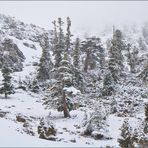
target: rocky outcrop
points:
(10, 55)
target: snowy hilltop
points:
(57, 90)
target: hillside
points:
(21, 47)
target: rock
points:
(26, 124)
(3, 114)
(73, 140)
(97, 135)
(20, 119)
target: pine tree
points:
(126, 140)
(96, 125)
(115, 64)
(76, 54)
(61, 44)
(58, 42)
(144, 73)
(68, 36)
(146, 119)
(108, 85)
(131, 58)
(7, 88)
(78, 78)
(93, 50)
(58, 95)
(142, 44)
(45, 66)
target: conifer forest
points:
(62, 87)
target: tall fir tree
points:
(58, 95)
(115, 63)
(7, 87)
(92, 48)
(78, 80)
(126, 140)
(68, 36)
(45, 66)
(108, 84)
(59, 43)
(144, 74)
(76, 53)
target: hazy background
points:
(86, 16)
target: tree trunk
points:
(6, 95)
(65, 108)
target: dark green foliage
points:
(94, 51)
(46, 132)
(144, 73)
(7, 88)
(108, 85)
(115, 64)
(126, 140)
(34, 86)
(146, 112)
(132, 59)
(68, 36)
(76, 54)
(45, 66)
(146, 119)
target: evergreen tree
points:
(146, 119)
(76, 54)
(132, 60)
(45, 66)
(78, 78)
(58, 42)
(108, 85)
(58, 93)
(142, 44)
(126, 140)
(115, 64)
(92, 47)
(7, 88)
(60, 45)
(68, 36)
(144, 74)
(96, 125)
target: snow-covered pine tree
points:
(57, 42)
(94, 51)
(7, 87)
(115, 63)
(146, 119)
(76, 53)
(60, 45)
(54, 38)
(68, 36)
(145, 30)
(144, 73)
(142, 44)
(96, 125)
(45, 66)
(108, 84)
(126, 140)
(59, 95)
(78, 78)
(132, 57)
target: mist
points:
(89, 17)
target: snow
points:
(72, 90)
(69, 130)
(27, 105)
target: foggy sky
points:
(90, 16)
